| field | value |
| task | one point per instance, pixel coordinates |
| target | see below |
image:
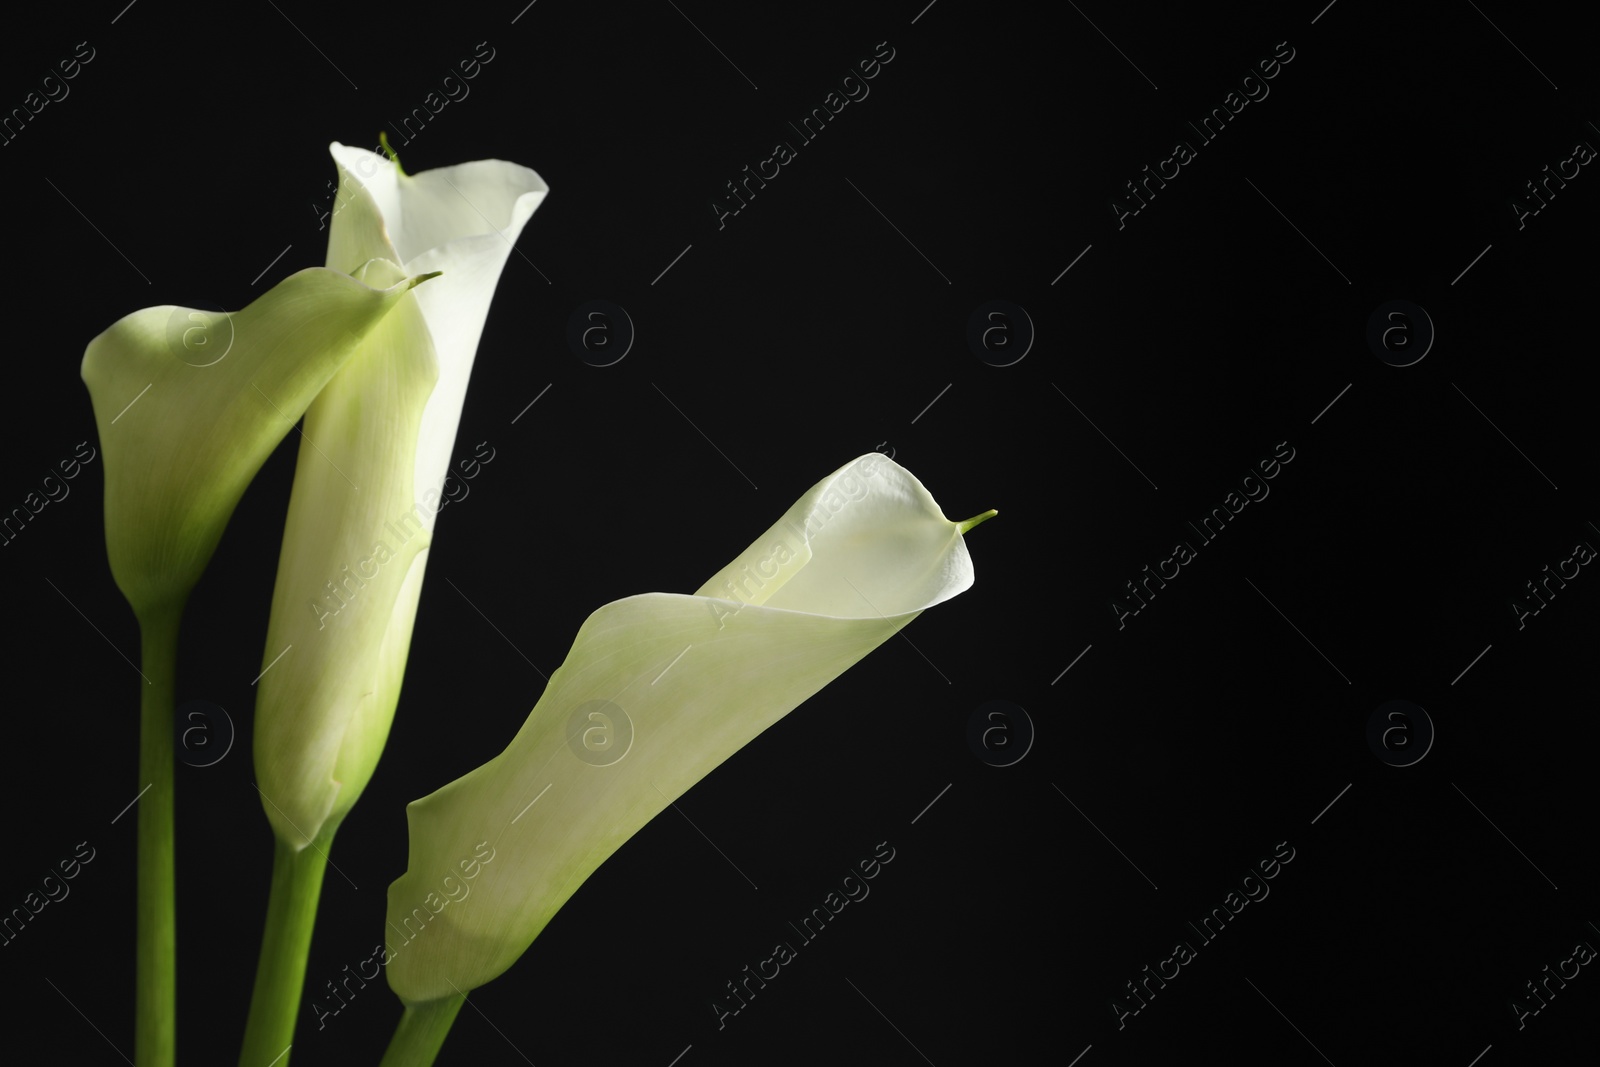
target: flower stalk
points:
(155, 931)
(285, 947)
(176, 463)
(421, 1033)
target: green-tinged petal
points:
(190, 403)
(321, 726)
(657, 690)
(353, 534)
(322, 720)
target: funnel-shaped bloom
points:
(190, 403)
(658, 690)
(367, 487)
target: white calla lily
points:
(361, 518)
(657, 690)
(190, 403)
(366, 495)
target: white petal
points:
(350, 539)
(692, 679)
(367, 205)
(872, 540)
(387, 425)
(462, 221)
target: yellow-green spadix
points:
(191, 402)
(657, 690)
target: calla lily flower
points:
(361, 518)
(190, 403)
(363, 507)
(657, 690)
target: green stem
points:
(155, 998)
(421, 1032)
(285, 947)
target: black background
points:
(1221, 320)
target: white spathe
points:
(190, 403)
(369, 478)
(657, 691)
(463, 221)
